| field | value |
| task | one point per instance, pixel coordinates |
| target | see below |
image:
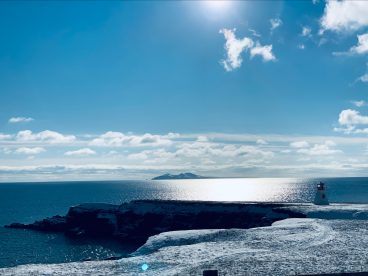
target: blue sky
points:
(111, 90)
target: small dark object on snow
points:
(210, 272)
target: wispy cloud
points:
(306, 31)
(80, 152)
(275, 23)
(299, 144)
(359, 103)
(48, 136)
(327, 148)
(119, 139)
(216, 154)
(14, 120)
(30, 151)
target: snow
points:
(288, 247)
(332, 211)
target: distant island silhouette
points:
(186, 175)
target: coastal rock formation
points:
(288, 247)
(137, 220)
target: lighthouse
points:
(320, 197)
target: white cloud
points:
(349, 117)
(362, 46)
(359, 103)
(261, 142)
(363, 78)
(5, 136)
(202, 138)
(327, 148)
(14, 120)
(29, 151)
(47, 136)
(234, 47)
(275, 23)
(301, 46)
(360, 49)
(264, 51)
(299, 144)
(80, 152)
(118, 139)
(138, 156)
(254, 33)
(306, 31)
(344, 16)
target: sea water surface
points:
(27, 202)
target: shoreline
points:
(282, 229)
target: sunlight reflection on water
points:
(242, 189)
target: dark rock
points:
(135, 221)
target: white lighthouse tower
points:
(320, 197)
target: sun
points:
(219, 5)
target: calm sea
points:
(26, 202)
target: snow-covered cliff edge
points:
(288, 247)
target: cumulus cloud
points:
(275, 23)
(29, 151)
(235, 47)
(118, 139)
(264, 51)
(352, 117)
(80, 152)
(46, 136)
(344, 16)
(362, 46)
(14, 120)
(301, 46)
(360, 49)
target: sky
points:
(134, 89)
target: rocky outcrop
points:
(137, 220)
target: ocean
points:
(27, 202)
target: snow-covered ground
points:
(288, 247)
(332, 211)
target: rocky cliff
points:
(137, 220)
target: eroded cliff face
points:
(137, 220)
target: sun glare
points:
(217, 6)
